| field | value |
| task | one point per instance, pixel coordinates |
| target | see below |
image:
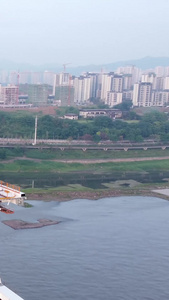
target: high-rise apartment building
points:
(132, 70)
(166, 83)
(1, 100)
(9, 94)
(94, 84)
(149, 78)
(135, 94)
(160, 98)
(157, 98)
(160, 71)
(64, 94)
(82, 89)
(159, 83)
(114, 98)
(64, 78)
(117, 84)
(48, 78)
(37, 93)
(142, 94)
(166, 71)
(127, 82)
(106, 86)
(128, 95)
(56, 82)
(145, 91)
(165, 98)
(25, 77)
(86, 89)
(36, 78)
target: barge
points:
(7, 294)
(10, 193)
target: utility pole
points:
(18, 77)
(36, 125)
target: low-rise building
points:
(71, 116)
(93, 113)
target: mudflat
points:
(20, 224)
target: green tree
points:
(124, 106)
(103, 122)
(3, 154)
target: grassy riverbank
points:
(105, 174)
(94, 154)
(65, 167)
(33, 164)
(51, 154)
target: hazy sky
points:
(83, 31)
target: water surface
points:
(90, 180)
(114, 248)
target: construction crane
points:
(64, 67)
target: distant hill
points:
(143, 63)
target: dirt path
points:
(95, 161)
(88, 161)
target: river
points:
(113, 248)
(89, 180)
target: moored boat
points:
(7, 294)
(6, 210)
(10, 193)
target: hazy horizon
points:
(82, 32)
(70, 65)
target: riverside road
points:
(79, 145)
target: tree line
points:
(151, 125)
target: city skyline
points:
(82, 32)
(144, 88)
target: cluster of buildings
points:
(150, 88)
